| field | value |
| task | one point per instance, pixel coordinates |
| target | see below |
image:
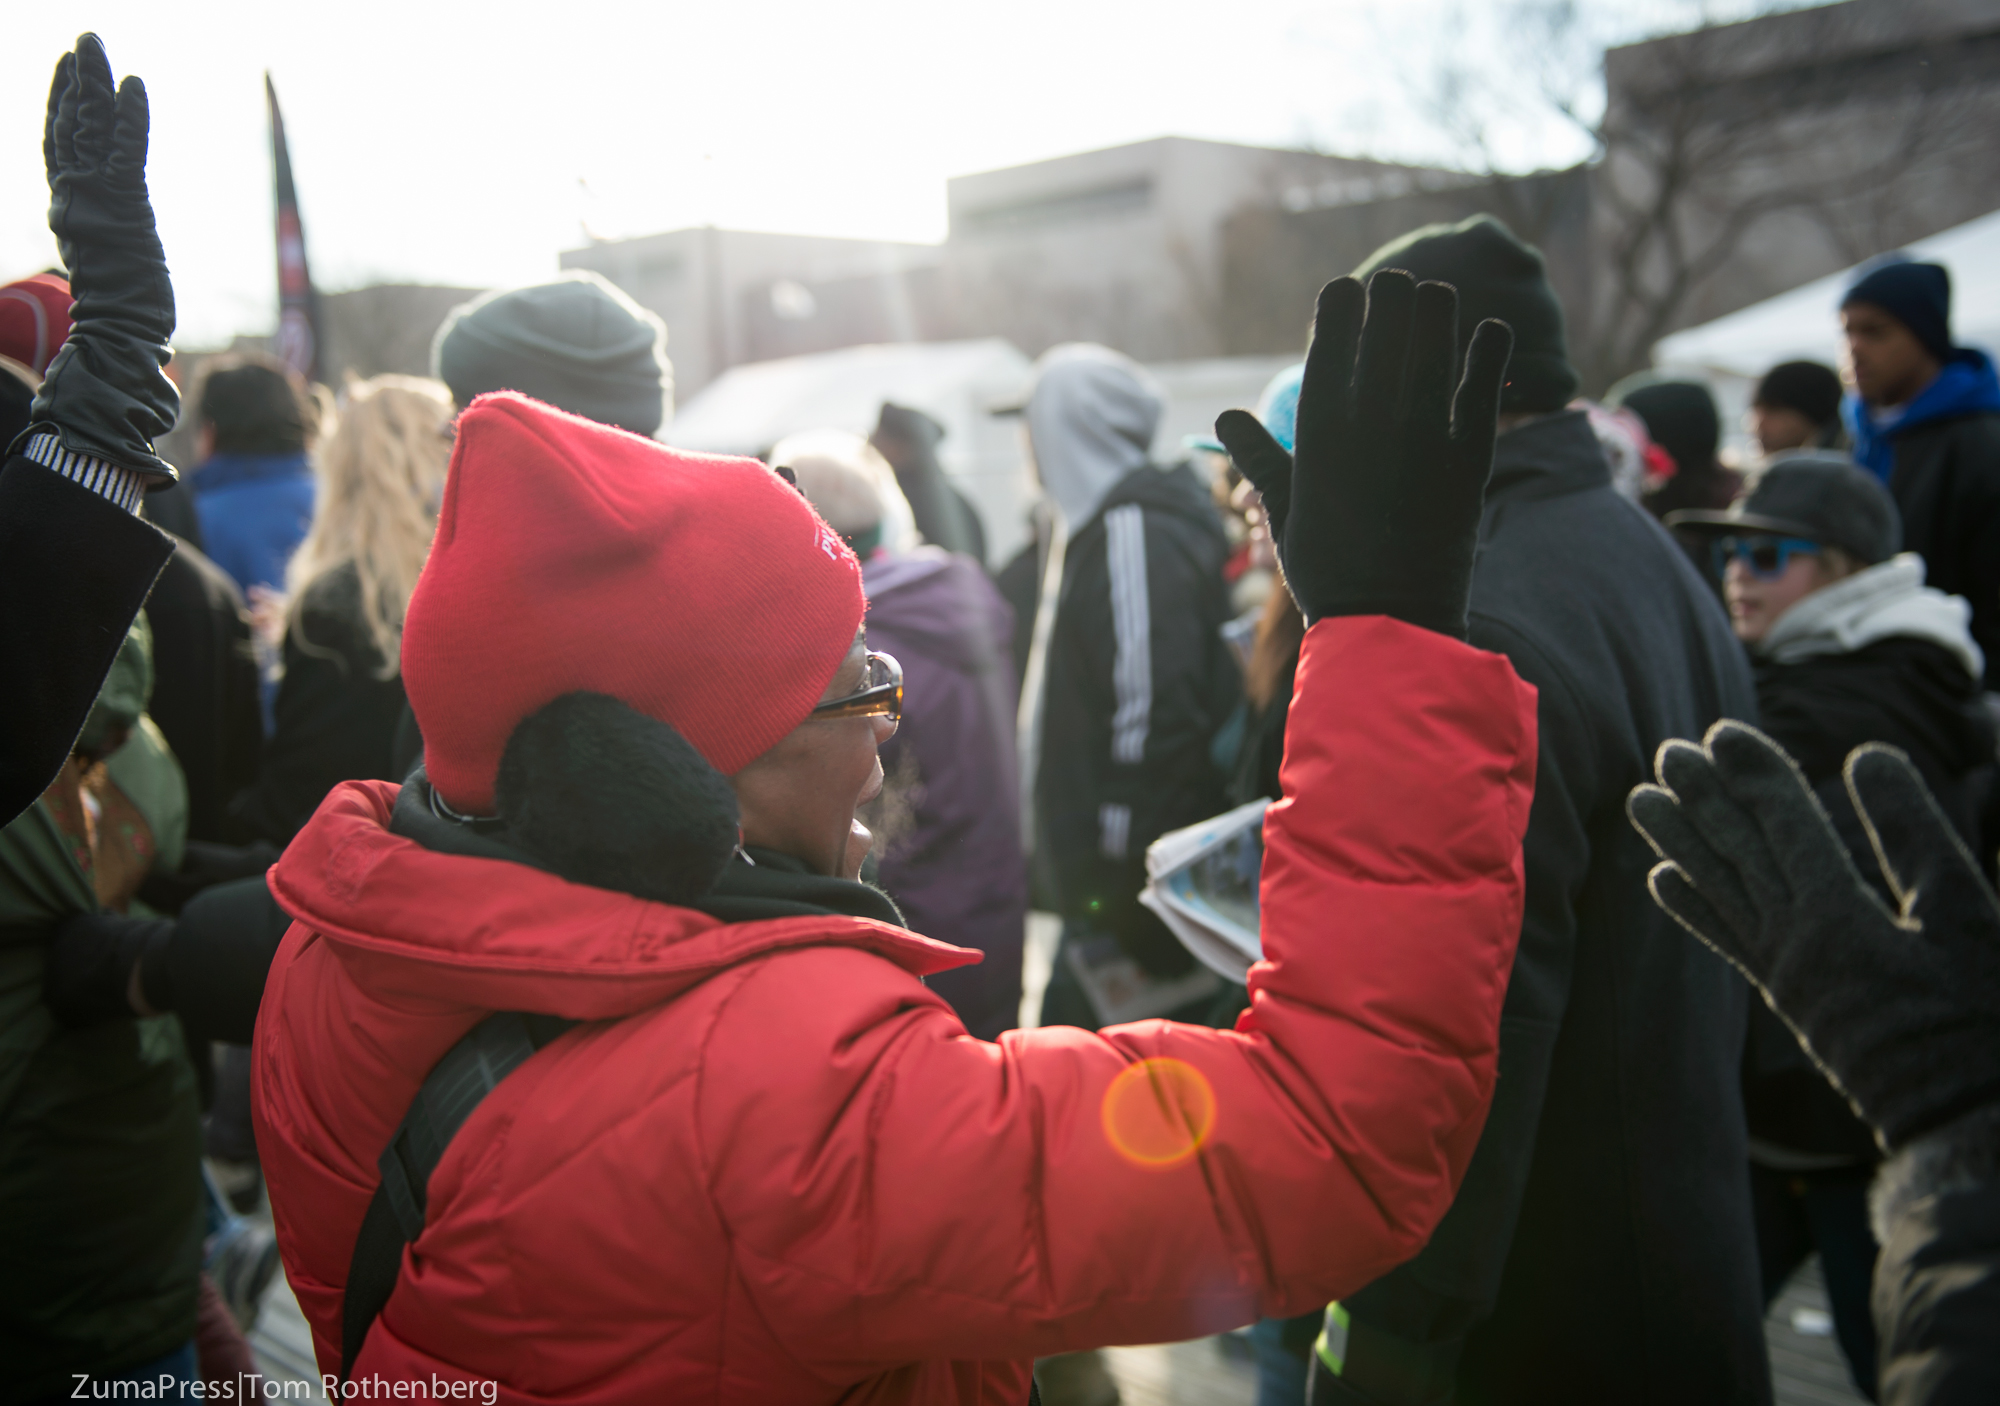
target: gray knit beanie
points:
(577, 343)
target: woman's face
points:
(1756, 602)
(799, 798)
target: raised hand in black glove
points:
(1377, 512)
(1902, 1008)
(106, 394)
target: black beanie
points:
(576, 343)
(1916, 295)
(1496, 276)
(1808, 387)
(1680, 416)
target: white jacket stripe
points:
(1132, 624)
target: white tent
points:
(1805, 323)
(749, 408)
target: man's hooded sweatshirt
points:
(1940, 457)
(769, 1165)
(1138, 678)
(1878, 657)
(1601, 1248)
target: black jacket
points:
(1947, 487)
(205, 685)
(74, 570)
(1912, 694)
(1138, 682)
(1937, 1281)
(1600, 1249)
(335, 718)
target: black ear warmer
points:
(606, 796)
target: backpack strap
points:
(469, 1071)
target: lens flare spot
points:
(1158, 1112)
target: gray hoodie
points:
(1091, 418)
(1887, 600)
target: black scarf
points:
(758, 882)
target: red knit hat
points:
(700, 590)
(34, 320)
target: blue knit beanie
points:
(1916, 295)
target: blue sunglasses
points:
(1764, 557)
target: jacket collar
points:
(1547, 457)
(227, 470)
(1886, 601)
(495, 934)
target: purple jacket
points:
(954, 865)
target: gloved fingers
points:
(1685, 903)
(1768, 785)
(1383, 367)
(1476, 410)
(98, 101)
(1921, 855)
(1433, 360)
(59, 86)
(1263, 461)
(129, 133)
(1731, 827)
(1326, 388)
(65, 121)
(1658, 817)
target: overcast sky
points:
(471, 144)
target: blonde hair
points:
(380, 476)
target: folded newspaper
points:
(1202, 881)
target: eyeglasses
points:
(1764, 557)
(880, 694)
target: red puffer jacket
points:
(772, 1167)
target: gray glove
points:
(106, 394)
(1901, 1009)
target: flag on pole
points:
(298, 339)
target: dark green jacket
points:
(100, 1154)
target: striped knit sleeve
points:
(121, 486)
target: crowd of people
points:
(583, 884)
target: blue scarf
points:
(1966, 386)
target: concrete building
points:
(1737, 162)
(732, 296)
(1121, 246)
(1275, 259)
(387, 327)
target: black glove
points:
(106, 394)
(1901, 1009)
(88, 973)
(1377, 513)
(205, 864)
